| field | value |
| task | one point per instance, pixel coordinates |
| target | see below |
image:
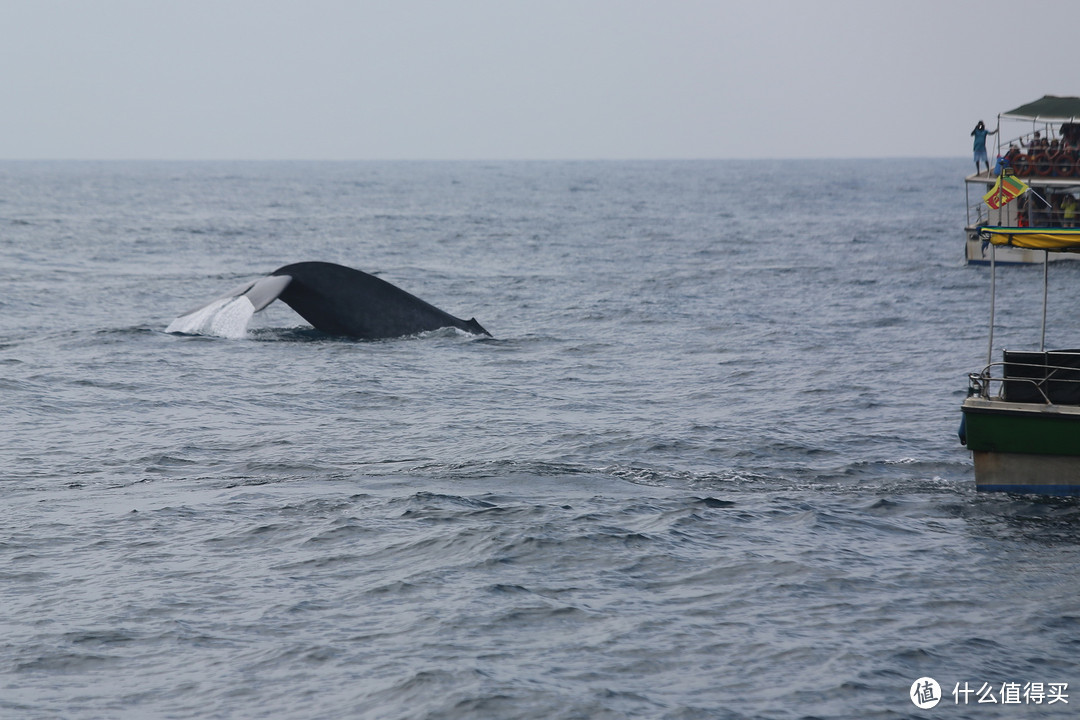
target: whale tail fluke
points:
(259, 293)
(228, 315)
(266, 290)
(335, 299)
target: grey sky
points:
(493, 79)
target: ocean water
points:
(707, 466)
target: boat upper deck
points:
(1052, 181)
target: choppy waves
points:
(371, 598)
(708, 468)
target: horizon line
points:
(477, 160)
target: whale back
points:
(339, 300)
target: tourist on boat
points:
(1014, 162)
(1038, 142)
(1068, 211)
(1066, 164)
(1070, 138)
(1070, 135)
(979, 133)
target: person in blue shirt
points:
(979, 133)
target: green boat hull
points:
(1021, 447)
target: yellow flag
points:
(1007, 187)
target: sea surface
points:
(706, 467)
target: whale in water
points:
(339, 300)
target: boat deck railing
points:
(1049, 378)
(977, 214)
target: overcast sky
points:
(521, 79)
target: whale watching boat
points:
(1038, 149)
(1021, 418)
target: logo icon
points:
(925, 693)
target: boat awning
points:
(1034, 238)
(1049, 108)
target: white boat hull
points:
(1024, 473)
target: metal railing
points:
(1065, 388)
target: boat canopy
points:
(1049, 108)
(1034, 238)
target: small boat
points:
(1038, 144)
(1021, 418)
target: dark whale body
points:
(339, 300)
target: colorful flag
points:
(1007, 187)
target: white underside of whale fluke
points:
(228, 315)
